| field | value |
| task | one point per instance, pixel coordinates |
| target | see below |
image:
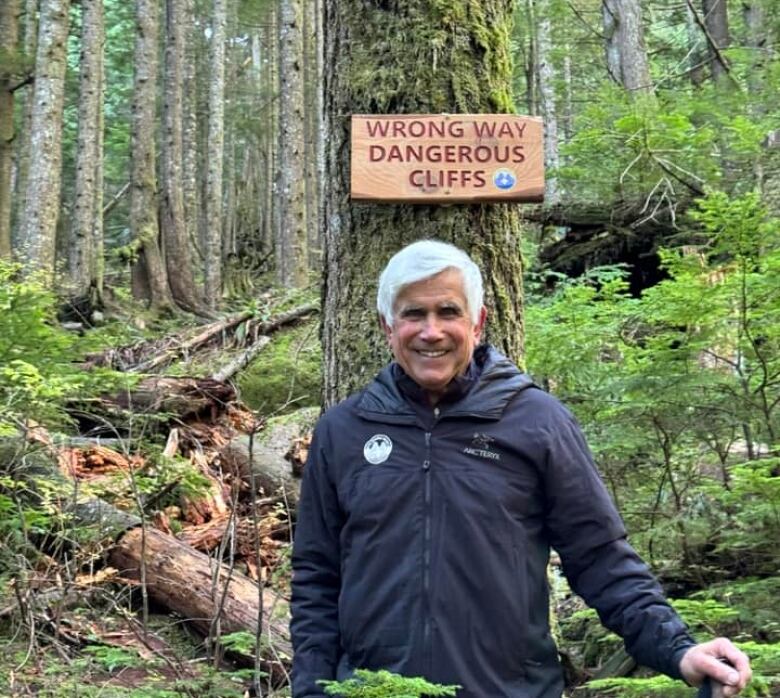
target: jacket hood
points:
(497, 381)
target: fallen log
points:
(212, 330)
(195, 587)
(242, 360)
(185, 581)
(269, 461)
(187, 346)
(178, 397)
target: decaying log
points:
(242, 360)
(273, 470)
(178, 577)
(208, 332)
(625, 232)
(176, 349)
(181, 397)
(182, 579)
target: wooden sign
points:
(447, 158)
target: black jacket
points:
(423, 538)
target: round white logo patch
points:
(377, 449)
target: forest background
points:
(165, 164)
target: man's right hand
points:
(719, 660)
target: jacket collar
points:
(488, 386)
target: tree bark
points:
(174, 231)
(291, 244)
(271, 136)
(150, 279)
(98, 260)
(42, 195)
(214, 218)
(311, 114)
(695, 61)
(546, 74)
(190, 127)
(81, 258)
(716, 20)
(415, 58)
(29, 48)
(9, 44)
(182, 579)
(625, 45)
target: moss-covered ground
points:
(285, 376)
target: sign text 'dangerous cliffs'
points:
(438, 158)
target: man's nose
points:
(431, 330)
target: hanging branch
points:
(714, 46)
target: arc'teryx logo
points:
(481, 446)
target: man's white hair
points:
(422, 260)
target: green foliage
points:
(111, 658)
(385, 684)
(241, 642)
(668, 385)
(37, 369)
(660, 686)
(34, 353)
(705, 615)
(765, 661)
(286, 374)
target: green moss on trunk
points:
(420, 56)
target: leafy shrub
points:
(37, 369)
(385, 684)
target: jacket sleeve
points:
(316, 580)
(588, 533)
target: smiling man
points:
(429, 505)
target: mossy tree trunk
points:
(150, 279)
(88, 205)
(42, 197)
(9, 45)
(420, 56)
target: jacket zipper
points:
(427, 645)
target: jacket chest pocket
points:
(378, 492)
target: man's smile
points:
(431, 353)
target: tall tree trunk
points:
(291, 255)
(320, 133)
(190, 174)
(311, 87)
(546, 75)
(42, 196)
(9, 45)
(530, 60)
(29, 48)
(174, 232)
(716, 19)
(418, 57)
(81, 254)
(214, 221)
(568, 116)
(625, 45)
(98, 268)
(695, 61)
(272, 130)
(150, 279)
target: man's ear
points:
(385, 328)
(480, 323)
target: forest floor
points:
(72, 624)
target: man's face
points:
(432, 336)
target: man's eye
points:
(412, 313)
(450, 312)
